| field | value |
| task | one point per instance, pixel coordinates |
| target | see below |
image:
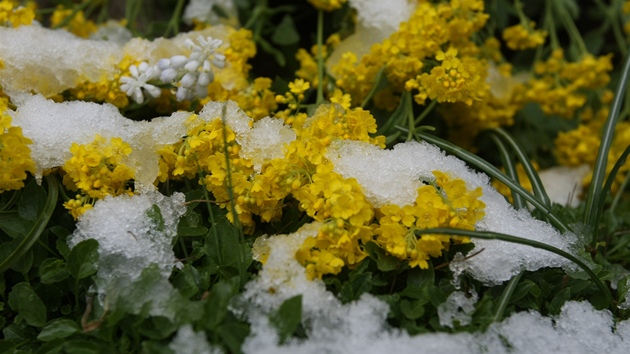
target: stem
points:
(425, 112)
(410, 120)
(488, 235)
(550, 25)
(173, 24)
(320, 57)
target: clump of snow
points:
(53, 127)
(201, 10)
(266, 141)
(134, 233)
(112, 31)
(393, 176)
(235, 118)
(187, 341)
(130, 234)
(564, 183)
(49, 61)
(459, 307)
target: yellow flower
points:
(523, 36)
(78, 24)
(299, 86)
(327, 5)
(14, 15)
(15, 155)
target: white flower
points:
(193, 74)
(135, 85)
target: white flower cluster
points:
(191, 75)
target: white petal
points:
(134, 71)
(169, 75)
(137, 95)
(202, 91)
(164, 64)
(182, 93)
(153, 91)
(192, 66)
(205, 78)
(188, 80)
(178, 61)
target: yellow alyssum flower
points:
(444, 202)
(14, 15)
(523, 36)
(78, 24)
(15, 155)
(454, 80)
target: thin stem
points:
(173, 24)
(410, 120)
(425, 112)
(320, 56)
(622, 187)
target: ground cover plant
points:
(314, 176)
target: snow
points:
(53, 127)
(187, 341)
(132, 239)
(201, 10)
(266, 141)
(564, 184)
(49, 61)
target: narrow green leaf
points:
(38, 227)
(595, 191)
(58, 329)
(28, 305)
(288, 317)
(155, 214)
(82, 259)
(506, 296)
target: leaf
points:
(355, 287)
(58, 329)
(285, 32)
(155, 214)
(53, 270)
(558, 301)
(384, 262)
(32, 201)
(82, 259)
(288, 317)
(233, 335)
(28, 305)
(190, 224)
(216, 305)
(412, 309)
(13, 225)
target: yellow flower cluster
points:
(327, 5)
(97, 169)
(558, 85)
(454, 80)
(14, 15)
(404, 55)
(15, 155)
(105, 90)
(523, 36)
(78, 24)
(444, 202)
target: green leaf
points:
(53, 270)
(285, 32)
(28, 305)
(384, 262)
(13, 225)
(155, 214)
(559, 300)
(288, 317)
(32, 201)
(216, 305)
(190, 224)
(82, 259)
(233, 335)
(26, 242)
(355, 287)
(186, 281)
(412, 309)
(58, 329)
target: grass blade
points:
(510, 170)
(505, 297)
(595, 190)
(534, 178)
(488, 235)
(609, 182)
